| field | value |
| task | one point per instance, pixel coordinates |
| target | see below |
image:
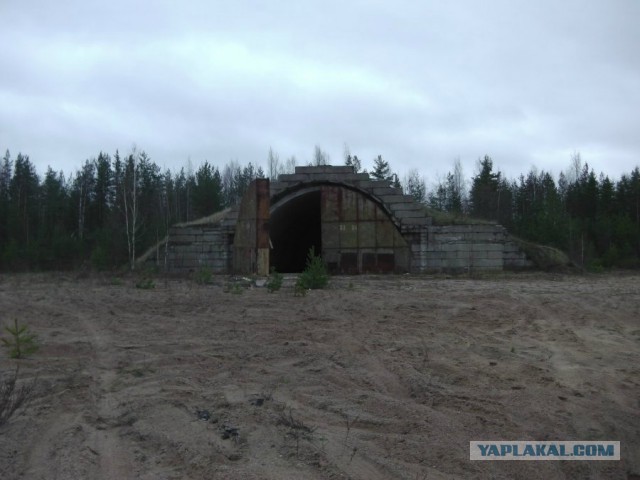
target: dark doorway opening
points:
(294, 228)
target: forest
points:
(114, 207)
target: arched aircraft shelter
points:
(356, 224)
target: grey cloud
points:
(418, 82)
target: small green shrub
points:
(146, 283)
(204, 276)
(234, 287)
(21, 341)
(275, 281)
(315, 275)
(299, 290)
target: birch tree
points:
(130, 184)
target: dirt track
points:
(375, 378)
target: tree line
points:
(594, 219)
(115, 206)
(108, 211)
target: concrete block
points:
(386, 191)
(455, 263)
(409, 206)
(487, 263)
(354, 178)
(368, 184)
(414, 232)
(182, 239)
(489, 247)
(415, 221)
(435, 263)
(495, 255)
(447, 238)
(211, 238)
(483, 237)
(402, 214)
(455, 247)
(467, 254)
(327, 177)
(317, 169)
(390, 199)
(435, 256)
(511, 248)
(451, 229)
(293, 178)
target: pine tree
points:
(381, 169)
(6, 169)
(484, 191)
(353, 161)
(20, 341)
(207, 191)
(415, 186)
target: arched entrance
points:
(350, 230)
(294, 228)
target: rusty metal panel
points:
(263, 202)
(330, 203)
(367, 234)
(358, 235)
(385, 231)
(386, 262)
(330, 236)
(349, 207)
(349, 263)
(367, 209)
(331, 255)
(252, 230)
(398, 240)
(349, 235)
(368, 262)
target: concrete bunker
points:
(357, 224)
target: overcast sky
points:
(418, 82)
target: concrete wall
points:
(467, 248)
(386, 226)
(193, 247)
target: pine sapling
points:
(22, 341)
(315, 274)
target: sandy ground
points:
(375, 378)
